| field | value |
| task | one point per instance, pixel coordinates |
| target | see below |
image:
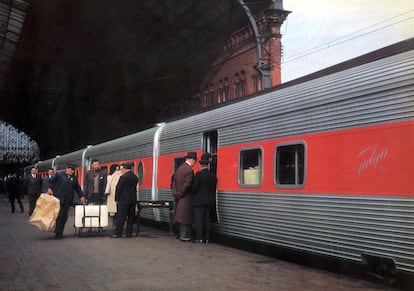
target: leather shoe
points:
(129, 235)
(114, 236)
(59, 236)
(197, 241)
(185, 239)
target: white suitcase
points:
(91, 216)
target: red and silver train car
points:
(323, 165)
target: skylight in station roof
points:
(12, 16)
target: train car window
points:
(140, 172)
(290, 165)
(250, 167)
(104, 170)
(178, 162)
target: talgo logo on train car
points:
(371, 156)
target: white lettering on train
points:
(370, 157)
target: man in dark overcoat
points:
(204, 194)
(64, 185)
(126, 198)
(33, 186)
(12, 187)
(181, 189)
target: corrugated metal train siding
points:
(341, 226)
(183, 143)
(74, 158)
(128, 147)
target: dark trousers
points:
(32, 202)
(96, 198)
(202, 222)
(19, 201)
(61, 219)
(126, 211)
(184, 231)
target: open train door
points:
(210, 145)
(210, 141)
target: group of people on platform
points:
(194, 195)
(16, 187)
(118, 190)
(194, 198)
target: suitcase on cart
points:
(90, 217)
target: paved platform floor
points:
(33, 260)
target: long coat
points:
(181, 188)
(33, 185)
(12, 187)
(112, 181)
(126, 189)
(204, 188)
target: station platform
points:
(33, 260)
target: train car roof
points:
(73, 158)
(43, 166)
(110, 150)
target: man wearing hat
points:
(64, 185)
(126, 198)
(204, 193)
(181, 188)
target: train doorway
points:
(210, 142)
(210, 145)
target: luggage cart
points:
(90, 217)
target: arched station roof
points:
(77, 55)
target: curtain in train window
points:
(140, 172)
(290, 160)
(250, 172)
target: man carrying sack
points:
(64, 185)
(45, 214)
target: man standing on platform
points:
(64, 185)
(204, 194)
(46, 184)
(181, 190)
(33, 186)
(95, 184)
(126, 197)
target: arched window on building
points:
(212, 96)
(241, 85)
(226, 91)
(221, 97)
(257, 83)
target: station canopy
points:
(169, 30)
(78, 54)
(12, 16)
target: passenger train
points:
(321, 165)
